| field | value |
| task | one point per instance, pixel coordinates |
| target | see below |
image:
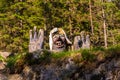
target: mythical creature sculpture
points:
(77, 42)
(36, 40)
(58, 40)
(81, 42)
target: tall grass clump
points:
(15, 63)
(2, 58)
(87, 55)
(114, 49)
(98, 49)
(61, 54)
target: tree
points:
(91, 21)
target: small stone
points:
(2, 66)
(15, 77)
(3, 77)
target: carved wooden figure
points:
(58, 40)
(81, 42)
(36, 40)
(77, 43)
(87, 42)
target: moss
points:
(60, 54)
(114, 49)
(98, 49)
(87, 55)
(2, 58)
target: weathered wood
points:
(36, 41)
(81, 42)
(77, 43)
(58, 40)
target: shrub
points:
(87, 56)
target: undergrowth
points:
(2, 58)
(84, 55)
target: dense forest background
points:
(99, 18)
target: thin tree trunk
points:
(21, 13)
(91, 21)
(104, 27)
(70, 26)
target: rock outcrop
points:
(68, 68)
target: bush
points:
(87, 56)
(15, 63)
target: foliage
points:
(114, 49)
(58, 55)
(15, 63)
(17, 17)
(1, 58)
(87, 55)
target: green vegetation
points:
(1, 58)
(17, 62)
(58, 55)
(17, 17)
(86, 55)
(14, 61)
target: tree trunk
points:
(91, 22)
(104, 27)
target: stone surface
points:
(3, 77)
(58, 40)
(15, 77)
(68, 69)
(2, 65)
(5, 54)
(28, 74)
(2, 62)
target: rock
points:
(117, 64)
(28, 74)
(2, 62)
(109, 75)
(88, 76)
(70, 64)
(2, 65)
(15, 77)
(5, 54)
(3, 77)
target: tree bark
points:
(104, 26)
(91, 21)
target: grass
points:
(86, 55)
(12, 60)
(114, 49)
(2, 58)
(61, 54)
